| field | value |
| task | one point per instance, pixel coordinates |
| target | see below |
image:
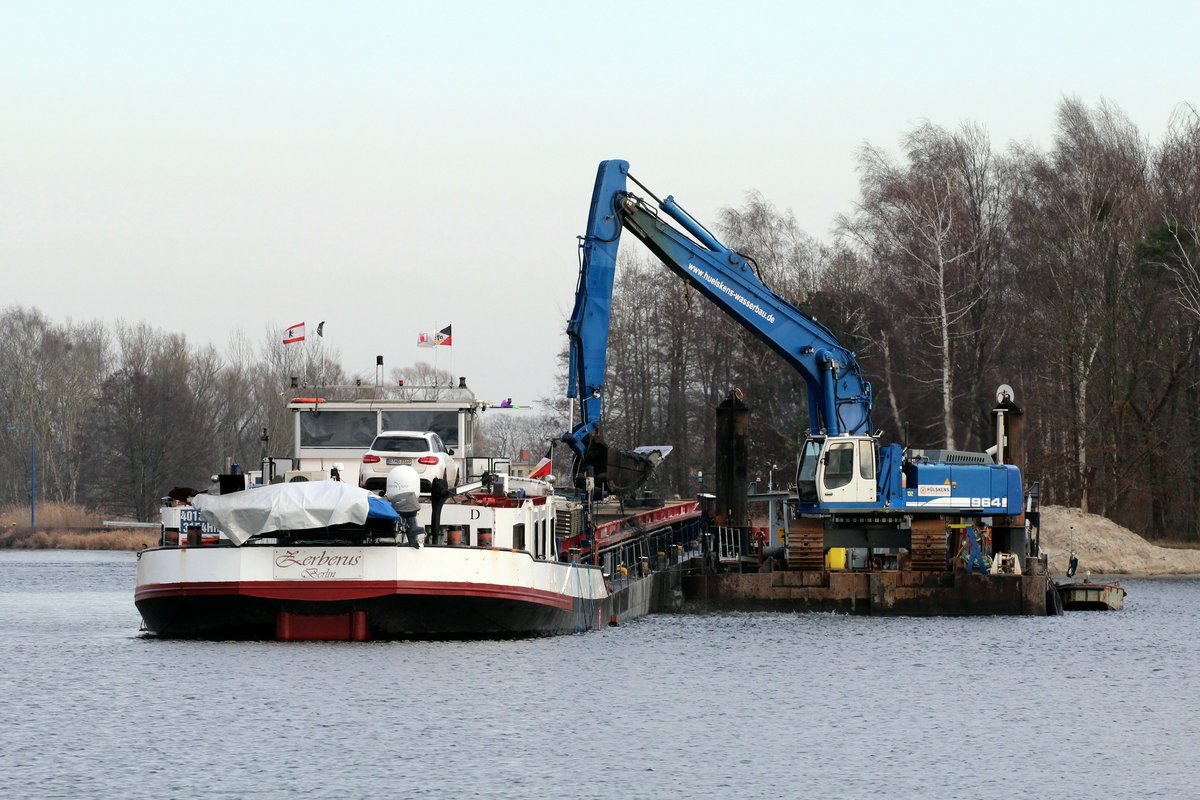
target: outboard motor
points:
(403, 491)
(439, 490)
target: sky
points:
(395, 167)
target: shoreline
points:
(1111, 577)
(1103, 546)
(130, 541)
(116, 539)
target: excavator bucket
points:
(619, 472)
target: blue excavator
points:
(852, 490)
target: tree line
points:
(114, 417)
(1068, 272)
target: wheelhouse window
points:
(337, 428)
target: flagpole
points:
(440, 331)
(321, 336)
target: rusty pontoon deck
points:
(885, 592)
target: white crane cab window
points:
(839, 464)
(806, 472)
(866, 460)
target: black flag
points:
(321, 329)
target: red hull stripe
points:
(329, 591)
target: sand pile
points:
(1104, 547)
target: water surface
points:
(764, 705)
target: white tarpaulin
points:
(283, 507)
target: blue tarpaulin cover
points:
(378, 508)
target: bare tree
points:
(51, 375)
(931, 225)
(793, 265)
(268, 378)
(1177, 180)
(422, 381)
(1079, 212)
(155, 424)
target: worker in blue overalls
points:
(974, 555)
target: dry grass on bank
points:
(53, 539)
(67, 526)
(51, 515)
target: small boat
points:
(321, 560)
(1087, 596)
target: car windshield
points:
(394, 444)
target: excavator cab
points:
(838, 469)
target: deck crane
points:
(852, 490)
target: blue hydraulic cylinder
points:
(691, 225)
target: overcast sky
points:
(395, 167)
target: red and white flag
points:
(294, 334)
(425, 340)
(542, 470)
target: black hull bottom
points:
(394, 617)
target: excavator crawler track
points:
(806, 545)
(928, 545)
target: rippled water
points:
(1092, 703)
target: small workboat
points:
(1087, 596)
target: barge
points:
(323, 560)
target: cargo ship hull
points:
(359, 593)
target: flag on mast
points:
(321, 329)
(425, 340)
(294, 334)
(544, 467)
(443, 336)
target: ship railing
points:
(727, 542)
(633, 558)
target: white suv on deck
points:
(421, 450)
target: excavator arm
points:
(839, 399)
(587, 333)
